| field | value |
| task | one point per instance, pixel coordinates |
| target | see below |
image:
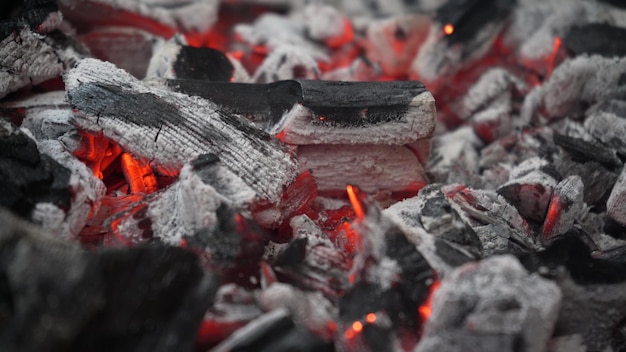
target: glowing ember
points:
(553, 56)
(138, 175)
(425, 309)
(357, 326)
(370, 318)
(448, 29)
(354, 200)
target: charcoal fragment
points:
(596, 38)
(582, 150)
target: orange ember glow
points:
(554, 213)
(138, 175)
(349, 334)
(370, 318)
(354, 200)
(425, 310)
(553, 56)
(357, 326)
(448, 29)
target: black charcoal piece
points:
(294, 254)
(596, 39)
(297, 107)
(203, 64)
(31, 14)
(28, 177)
(469, 17)
(61, 297)
(582, 151)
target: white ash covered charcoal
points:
(492, 305)
(462, 33)
(371, 167)
(455, 157)
(45, 183)
(325, 24)
(616, 204)
(566, 207)
(288, 62)
(606, 123)
(392, 43)
(188, 16)
(573, 86)
(175, 59)
(530, 188)
(32, 48)
(538, 27)
(169, 129)
(482, 207)
(304, 112)
(311, 261)
(274, 331)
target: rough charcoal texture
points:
(171, 128)
(493, 305)
(29, 177)
(56, 296)
(596, 38)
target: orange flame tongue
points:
(138, 175)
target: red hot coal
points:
(247, 175)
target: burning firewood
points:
(169, 129)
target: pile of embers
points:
(271, 176)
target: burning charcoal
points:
(287, 62)
(325, 24)
(607, 127)
(273, 331)
(307, 112)
(372, 167)
(158, 293)
(312, 262)
(479, 207)
(616, 204)
(596, 39)
(493, 305)
(581, 150)
(30, 178)
(575, 84)
(191, 16)
(393, 42)
(175, 59)
(308, 309)
(516, 148)
(455, 151)
(462, 33)
(598, 180)
(493, 86)
(170, 128)
(529, 189)
(31, 53)
(566, 206)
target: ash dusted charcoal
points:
(273, 331)
(616, 204)
(287, 62)
(596, 39)
(170, 128)
(581, 150)
(306, 112)
(29, 177)
(191, 16)
(566, 206)
(597, 179)
(312, 262)
(372, 167)
(456, 151)
(529, 189)
(493, 305)
(159, 295)
(494, 86)
(325, 24)
(607, 127)
(175, 59)
(574, 85)
(517, 147)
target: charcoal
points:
(371, 167)
(581, 150)
(529, 189)
(579, 312)
(160, 294)
(30, 14)
(574, 85)
(309, 309)
(455, 151)
(566, 206)
(273, 331)
(516, 148)
(615, 205)
(597, 179)
(495, 85)
(191, 16)
(596, 39)
(169, 128)
(306, 112)
(327, 25)
(493, 305)
(29, 177)
(175, 60)
(607, 128)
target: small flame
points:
(138, 175)
(354, 200)
(425, 309)
(370, 318)
(448, 29)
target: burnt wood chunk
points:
(616, 205)
(307, 111)
(566, 206)
(596, 38)
(582, 150)
(169, 129)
